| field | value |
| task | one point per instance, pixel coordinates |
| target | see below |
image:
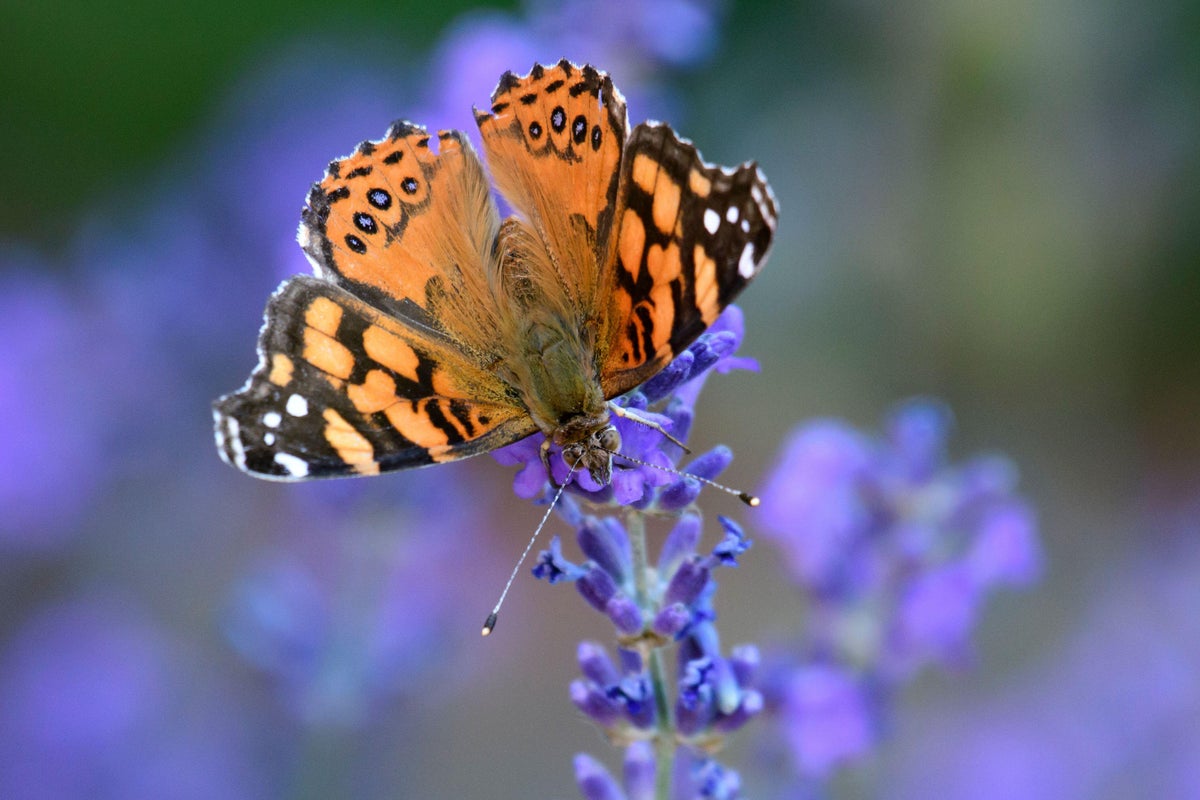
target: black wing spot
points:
(579, 129)
(558, 119)
(359, 172)
(596, 137)
(528, 99)
(553, 86)
(380, 199)
(409, 185)
(535, 130)
(392, 158)
(356, 244)
(365, 223)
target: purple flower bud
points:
(596, 586)
(639, 699)
(680, 542)
(751, 705)
(687, 583)
(669, 379)
(624, 613)
(1006, 547)
(594, 781)
(639, 771)
(745, 659)
(679, 495)
(681, 417)
(604, 541)
(826, 719)
(595, 664)
(917, 432)
(593, 702)
(671, 620)
(710, 464)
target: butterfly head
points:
(588, 443)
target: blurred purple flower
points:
(895, 551)
(1114, 710)
(53, 421)
(99, 703)
(346, 617)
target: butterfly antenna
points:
(490, 624)
(745, 497)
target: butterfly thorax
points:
(565, 402)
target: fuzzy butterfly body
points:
(433, 331)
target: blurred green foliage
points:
(95, 91)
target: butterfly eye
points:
(610, 439)
(572, 453)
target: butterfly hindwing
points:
(690, 237)
(342, 389)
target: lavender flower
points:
(895, 552)
(694, 776)
(654, 608)
(99, 701)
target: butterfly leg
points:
(544, 452)
(633, 416)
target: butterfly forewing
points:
(554, 141)
(400, 225)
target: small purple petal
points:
(594, 781)
(589, 699)
(826, 720)
(666, 381)
(595, 664)
(751, 705)
(681, 541)
(710, 464)
(1006, 547)
(553, 567)
(605, 542)
(687, 583)
(679, 495)
(935, 617)
(732, 545)
(596, 586)
(639, 771)
(671, 620)
(917, 431)
(745, 659)
(681, 419)
(625, 614)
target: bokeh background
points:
(994, 204)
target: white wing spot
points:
(296, 467)
(297, 406)
(746, 263)
(235, 443)
(745, 226)
(711, 220)
(268, 438)
(732, 215)
(272, 419)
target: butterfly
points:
(432, 330)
